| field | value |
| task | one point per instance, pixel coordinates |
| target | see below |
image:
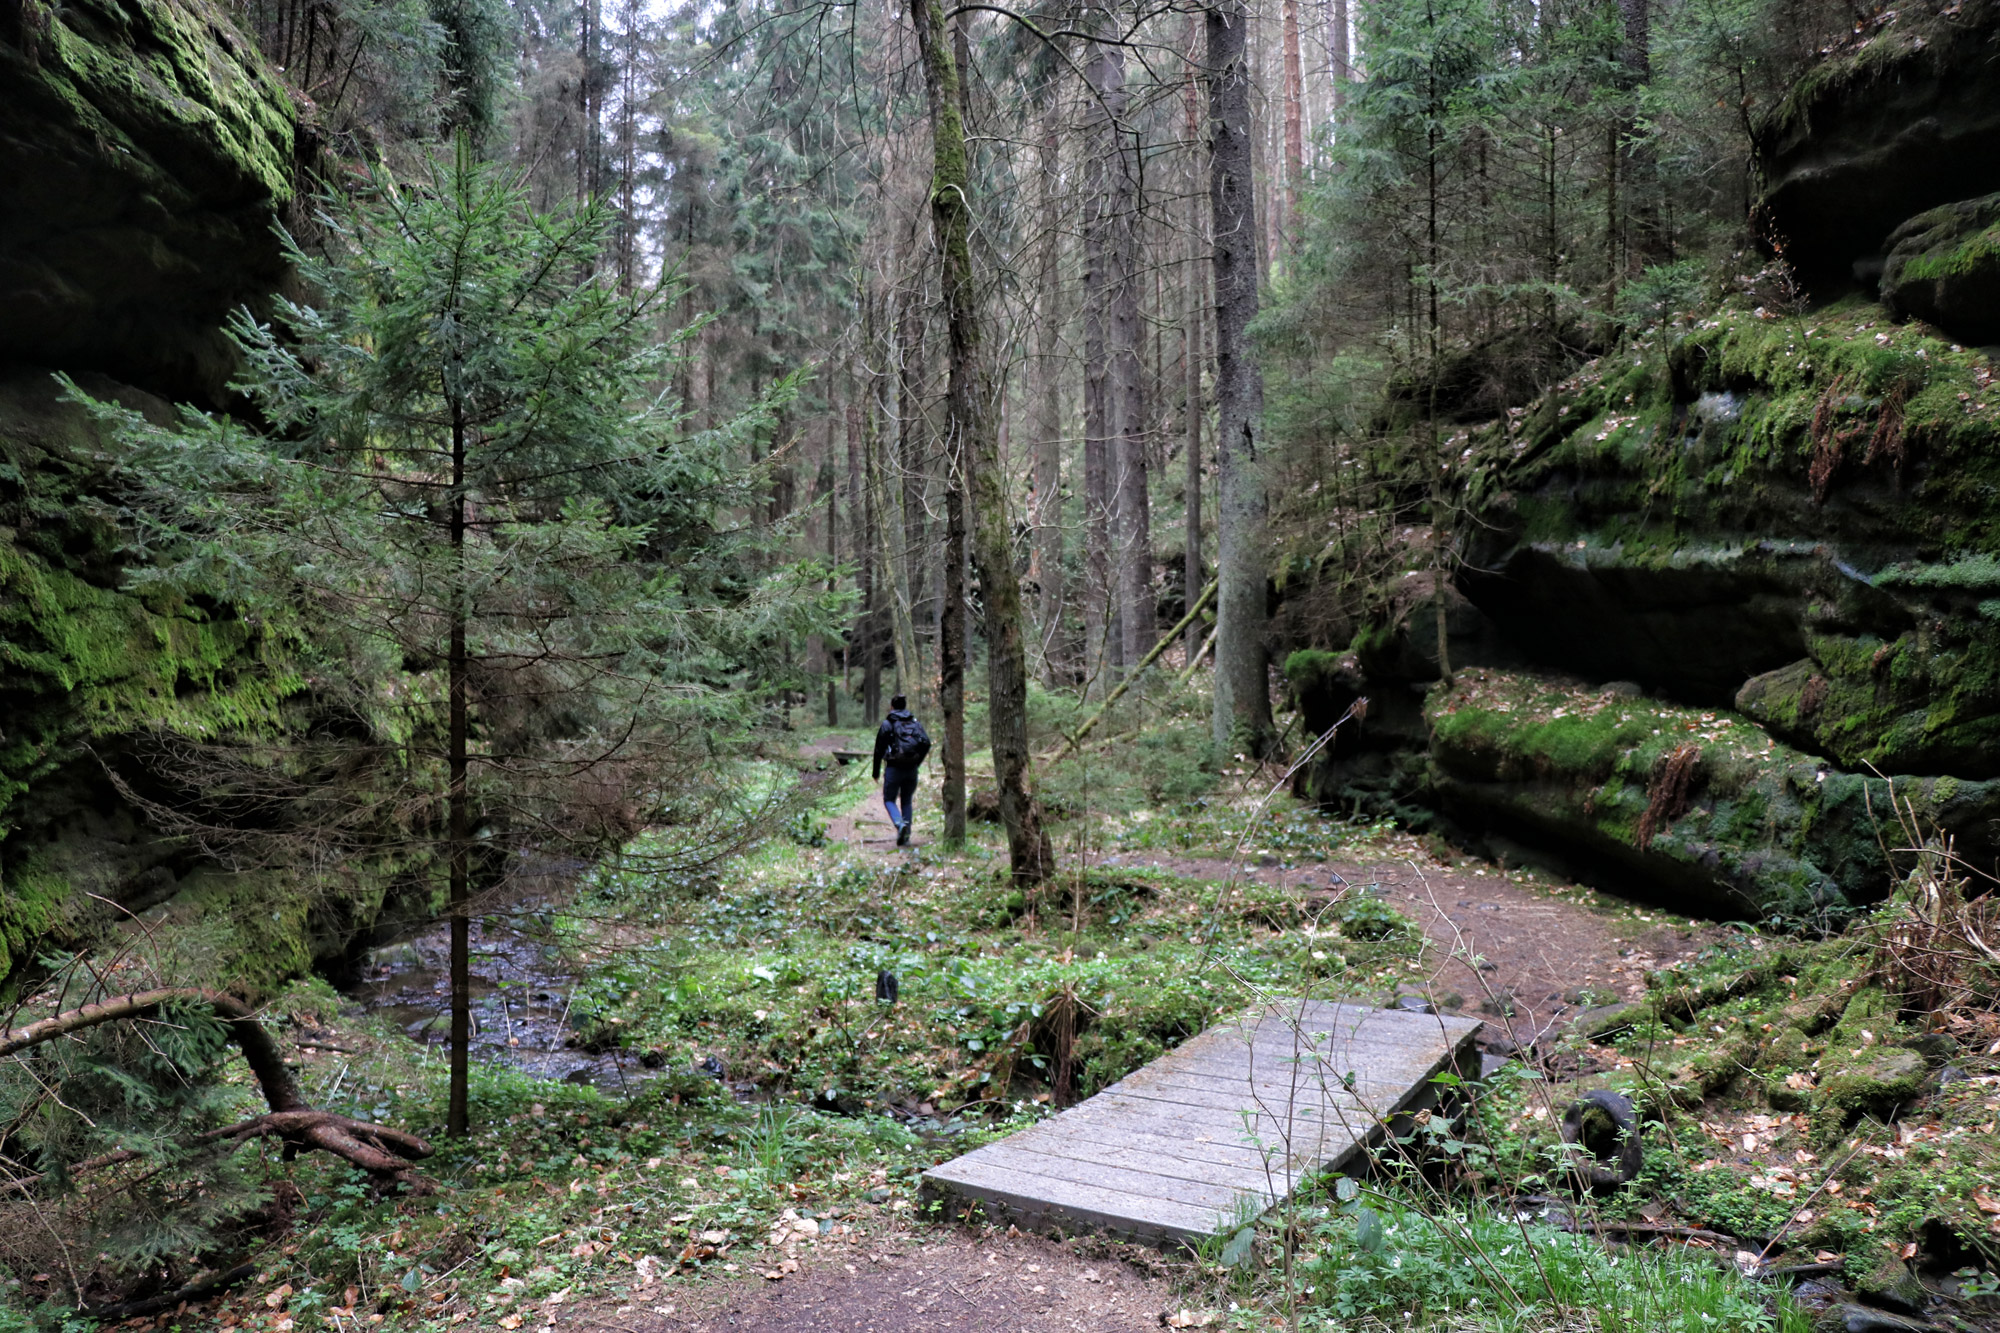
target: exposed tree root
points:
(382, 1152)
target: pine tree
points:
(480, 526)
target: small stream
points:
(520, 997)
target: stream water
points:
(521, 988)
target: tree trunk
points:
(869, 541)
(1295, 137)
(1265, 201)
(1131, 518)
(903, 630)
(857, 534)
(912, 460)
(589, 102)
(1195, 284)
(1242, 716)
(1340, 57)
(459, 800)
(628, 152)
(970, 425)
(1099, 396)
(832, 485)
(1048, 418)
(1646, 242)
(951, 655)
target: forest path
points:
(908, 1282)
(866, 827)
(1525, 954)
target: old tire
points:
(1596, 1165)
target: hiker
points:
(902, 743)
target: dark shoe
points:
(903, 835)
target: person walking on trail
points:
(901, 743)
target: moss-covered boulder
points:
(1871, 1082)
(1778, 529)
(1699, 806)
(1944, 266)
(144, 144)
(1794, 516)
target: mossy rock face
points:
(145, 147)
(1926, 701)
(1757, 829)
(88, 671)
(1775, 528)
(1944, 266)
(1900, 118)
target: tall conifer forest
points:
(1475, 522)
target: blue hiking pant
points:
(899, 789)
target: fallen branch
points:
(1187, 673)
(1076, 738)
(381, 1151)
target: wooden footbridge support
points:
(1219, 1129)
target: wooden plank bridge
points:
(1219, 1129)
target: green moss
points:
(1310, 668)
(252, 932)
(1767, 829)
(180, 67)
(1976, 574)
(32, 902)
(1874, 1081)
(82, 661)
(1968, 255)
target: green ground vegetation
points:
(781, 1103)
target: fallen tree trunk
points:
(1166, 640)
(383, 1152)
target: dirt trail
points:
(866, 827)
(911, 1283)
(1519, 953)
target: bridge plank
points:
(1232, 1120)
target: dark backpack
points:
(909, 743)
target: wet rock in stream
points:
(521, 1011)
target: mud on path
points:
(943, 1279)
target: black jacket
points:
(885, 736)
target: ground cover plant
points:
(773, 1078)
(780, 1106)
